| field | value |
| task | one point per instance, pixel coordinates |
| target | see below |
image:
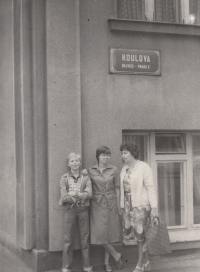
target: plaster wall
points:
(7, 131)
(64, 102)
(111, 103)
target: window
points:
(173, 11)
(170, 143)
(196, 178)
(175, 161)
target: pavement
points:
(190, 263)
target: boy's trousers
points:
(71, 216)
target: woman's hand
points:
(120, 211)
(121, 214)
(84, 172)
(72, 193)
(154, 216)
(154, 212)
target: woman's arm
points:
(149, 185)
(117, 190)
(87, 193)
(63, 190)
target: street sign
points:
(135, 62)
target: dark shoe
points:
(119, 263)
(107, 268)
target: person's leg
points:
(116, 255)
(69, 225)
(110, 248)
(83, 220)
(106, 256)
(107, 266)
(140, 217)
(143, 260)
(141, 254)
(140, 242)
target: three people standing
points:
(133, 194)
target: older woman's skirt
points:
(136, 218)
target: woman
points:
(137, 199)
(105, 225)
(76, 191)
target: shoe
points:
(146, 266)
(107, 268)
(119, 263)
(139, 269)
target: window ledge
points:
(153, 27)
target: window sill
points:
(153, 27)
(175, 245)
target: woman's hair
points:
(132, 148)
(76, 155)
(102, 150)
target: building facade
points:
(59, 94)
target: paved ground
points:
(9, 263)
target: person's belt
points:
(101, 194)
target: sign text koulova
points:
(127, 61)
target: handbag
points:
(157, 239)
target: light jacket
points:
(86, 189)
(142, 189)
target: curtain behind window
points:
(172, 11)
(170, 184)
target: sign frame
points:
(113, 65)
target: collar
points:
(71, 175)
(126, 167)
(96, 166)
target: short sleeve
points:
(116, 178)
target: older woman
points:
(105, 225)
(137, 199)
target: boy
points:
(76, 192)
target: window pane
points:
(140, 140)
(173, 11)
(170, 143)
(196, 178)
(170, 193)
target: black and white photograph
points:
(100, 135)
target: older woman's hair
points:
(132, 148)
(102, 150)
(76, 155)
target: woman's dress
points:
(105, 224)
(135, 217)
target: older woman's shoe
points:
(119, 263)
(146, 266)
(139, 269)
(107, 268)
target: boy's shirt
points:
(74, 183)
(81, 184)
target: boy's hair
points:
(73, 155)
